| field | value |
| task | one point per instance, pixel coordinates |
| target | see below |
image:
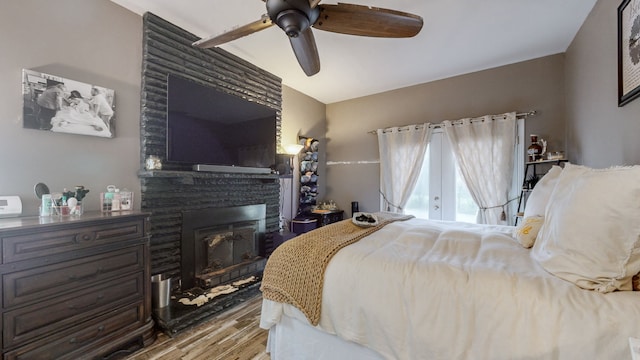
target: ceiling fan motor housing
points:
(293, 16)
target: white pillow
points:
(591, 230)
(527, 231)
(539, 197)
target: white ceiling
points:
(458, 37)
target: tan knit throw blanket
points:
(294, 273)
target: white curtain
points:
(402, 151)
(484, 150)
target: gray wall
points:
(531, 85)
(599, 133)
(95, 42)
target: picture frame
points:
(628, 51)
(61, 105)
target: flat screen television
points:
(211, 130)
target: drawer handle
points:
(88, 236)
(89, 338)
(83, 277)
(77, 307)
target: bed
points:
(421, 289)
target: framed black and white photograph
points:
(56, 104)
(628, 51)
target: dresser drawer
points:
(54, 315)
(46, 282)
(47, 241)
(70, 344)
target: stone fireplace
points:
(220, 245)
(175, 190)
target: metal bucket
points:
(160, 291)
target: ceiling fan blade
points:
(367, 21)
(313, 3)
(234, 34)
(304, 46)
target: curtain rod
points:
(457, 122)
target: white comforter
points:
(421, 289)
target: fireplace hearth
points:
(178, 317)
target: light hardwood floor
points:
(232, 335)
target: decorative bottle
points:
(534, 151)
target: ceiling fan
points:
(296, 17)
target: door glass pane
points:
(418, 204)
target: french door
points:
(441, 193)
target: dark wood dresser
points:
(75, 287)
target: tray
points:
(364, 222)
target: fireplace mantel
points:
(202, 174)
